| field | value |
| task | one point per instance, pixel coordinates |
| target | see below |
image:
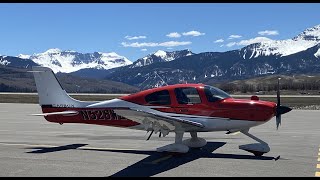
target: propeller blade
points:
(278, 93)
(278, 120)
(281, 110)
(278, 115)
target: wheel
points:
(258, 154)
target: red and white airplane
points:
(176, 108)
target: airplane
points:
(179, 108)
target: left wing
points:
(156, 121)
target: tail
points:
(50, 91)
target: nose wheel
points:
(256, 153)
(258, 149)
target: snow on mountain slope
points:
(70, 61)
(23, 56)
(308, 38)
(317, 54)
(310, 34)
(161, 56)
(16, 62)
(3, 61)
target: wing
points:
(65, 113)
(157, 122)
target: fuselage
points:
(200, 103)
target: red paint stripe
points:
(97, 116)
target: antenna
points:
(160, 78)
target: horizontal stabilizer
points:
(66, 113)
(35, 71)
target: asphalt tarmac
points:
(31, 146)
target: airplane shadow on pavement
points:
(42, 149)
(160, 162)
(157, 162)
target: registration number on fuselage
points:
(100, 115)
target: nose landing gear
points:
(258, 149)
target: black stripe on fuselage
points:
(47, 106)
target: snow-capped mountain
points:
(161, 56)
(217, 67)
(70, 61)
(16, 62)
(310, 34)
(300, 54)
(307, 39)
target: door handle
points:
(183, 110)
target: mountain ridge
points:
(67, 61)
(299, 54)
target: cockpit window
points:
(214, 94)
(188, 95)
(159, 98)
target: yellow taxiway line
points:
(317, 174)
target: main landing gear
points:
(258, 149)
(180, 146)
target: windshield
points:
(214, 94)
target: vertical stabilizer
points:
(50, 90)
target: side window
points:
(214, 94)
(187, 95)
(210, 96)
(159, 98)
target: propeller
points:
(280, 109)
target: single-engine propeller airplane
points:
(176, 108)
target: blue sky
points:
(134, 30)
